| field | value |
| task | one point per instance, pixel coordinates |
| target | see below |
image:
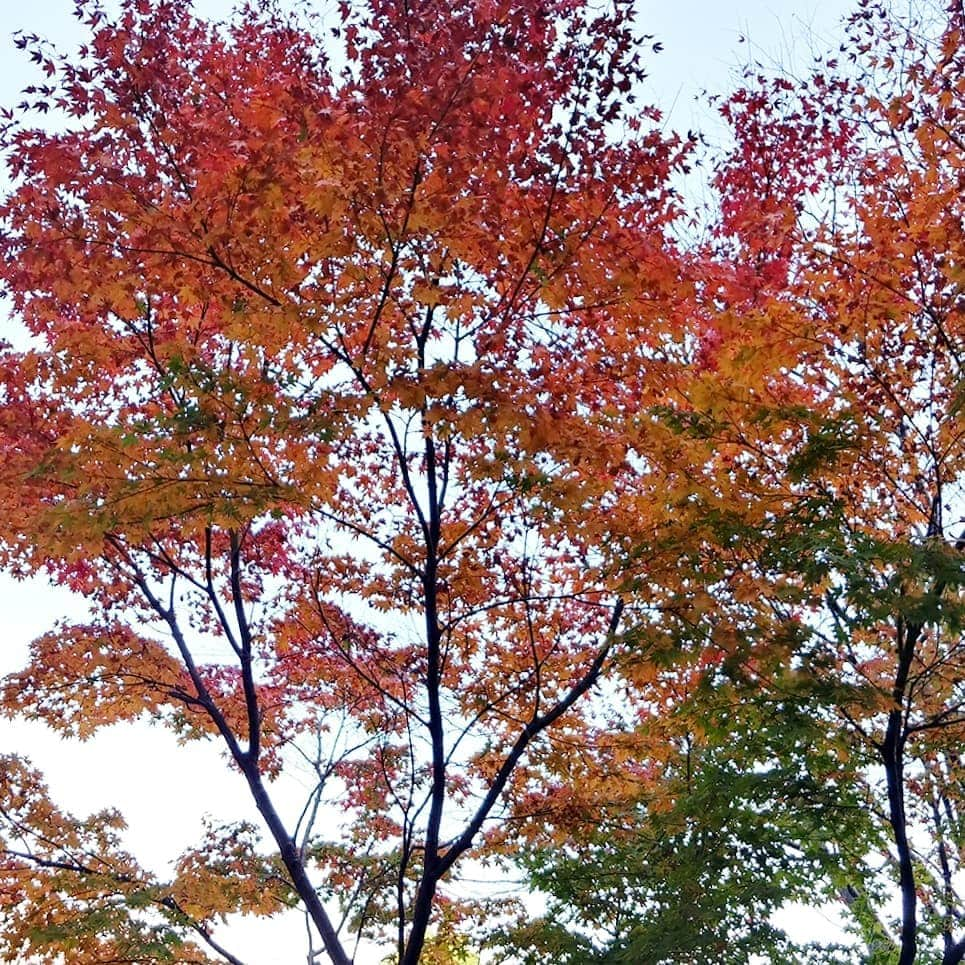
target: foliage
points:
(838, 249)
(748, 814)
(327, 406)
(872, 274)
(385, 425)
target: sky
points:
(164, 790)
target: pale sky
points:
(705, 43)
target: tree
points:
(743, 819)
(330, 411)
(876, 283)
(838, 253)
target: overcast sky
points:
(705, 43)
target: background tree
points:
(877, 284)
(839, 256)
(739, 820)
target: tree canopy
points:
(388, 411)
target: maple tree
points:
(329, 409)
(838, 254)
(389, 429)
(873, 277)
(744, 818)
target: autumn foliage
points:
(832, 765)
(334, 369)
(374, 403)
